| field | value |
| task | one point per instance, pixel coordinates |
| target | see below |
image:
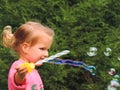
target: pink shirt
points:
(32, 79)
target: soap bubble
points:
(92, 51)
(112, 71)
(111, 88)
(116, 77)
(108, 52)
(114, 83)
(118, 58)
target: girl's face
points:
(39, 51)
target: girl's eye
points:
(42, 48)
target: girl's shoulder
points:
(16, 63)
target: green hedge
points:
(79, 25)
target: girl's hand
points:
(21, 72)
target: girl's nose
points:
(46, 54)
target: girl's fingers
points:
(22, 69)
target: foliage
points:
(78, 24)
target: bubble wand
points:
(55, 60)
(31, 66)
(53, 57)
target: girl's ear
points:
(25, 47)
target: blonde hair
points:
(7, 36)
(25, 33)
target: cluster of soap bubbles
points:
(93, 51)
(107, 52)
(114, 84)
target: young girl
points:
(31, 42)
